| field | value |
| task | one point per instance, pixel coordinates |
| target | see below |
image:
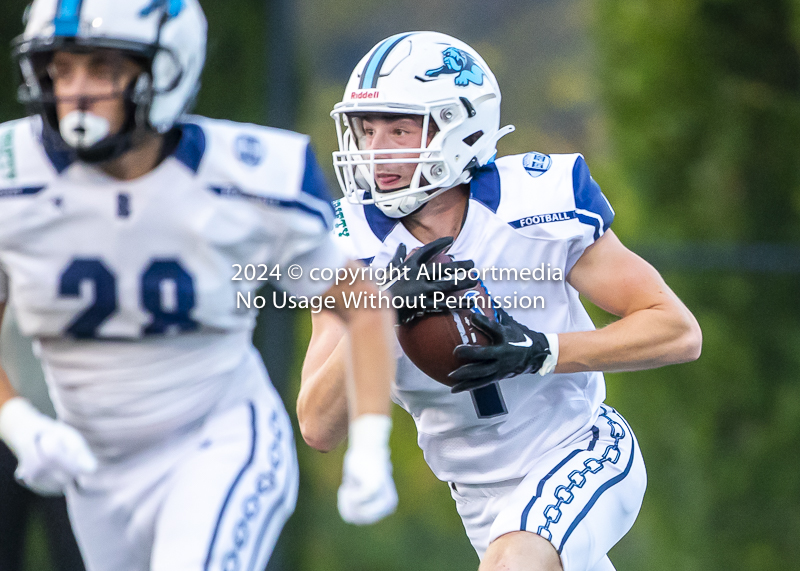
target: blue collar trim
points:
(60, 155)
(485, 186)
(380, 224)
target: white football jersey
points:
(534, 212)
(131, 287)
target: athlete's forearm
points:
(370, 329)
(349, 365)
(655, 327)
(371, 340)
(322, 402)
(664, 334)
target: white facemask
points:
(81, 129)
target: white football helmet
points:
(167, 36)
(439, 78)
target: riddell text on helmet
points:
(371, 94)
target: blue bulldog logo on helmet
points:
(171, 7)
(460, 62)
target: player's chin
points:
(390, 183)
(388, 190)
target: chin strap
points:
(401, 207)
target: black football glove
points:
(410, 288)
(515, 350)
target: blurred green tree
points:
(701, 107)
(10, 27)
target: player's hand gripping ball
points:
(514, 350)
(430, 333)
(417, 288)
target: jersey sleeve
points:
(592, 210)
(310, 244)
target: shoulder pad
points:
(272, 166)
(260, 159)
(534, 190)
(526, 184)
(538, 189)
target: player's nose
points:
(81, 88)
(74, 85)
(380, 140)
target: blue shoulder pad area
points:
(591, 206)
(314, 182)
(192, 146)
(315, 186)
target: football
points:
(429, 340)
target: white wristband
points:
(551, 361)
(370, 432)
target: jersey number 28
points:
(160, 272)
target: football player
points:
(122, 225)
(544, 474)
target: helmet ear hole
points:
(167, 67)
(141, 89)
(472, 139)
